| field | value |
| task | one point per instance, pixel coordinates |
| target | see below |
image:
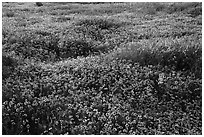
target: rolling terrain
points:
(101, 68)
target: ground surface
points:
(102, 68)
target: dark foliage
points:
(8, 65)
(39, 4)
(9, 14)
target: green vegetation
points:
(101, 68)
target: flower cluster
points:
(112, 98)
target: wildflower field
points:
(101, 68)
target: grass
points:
(164, 52)
(102, 68)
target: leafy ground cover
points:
(102, 68)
